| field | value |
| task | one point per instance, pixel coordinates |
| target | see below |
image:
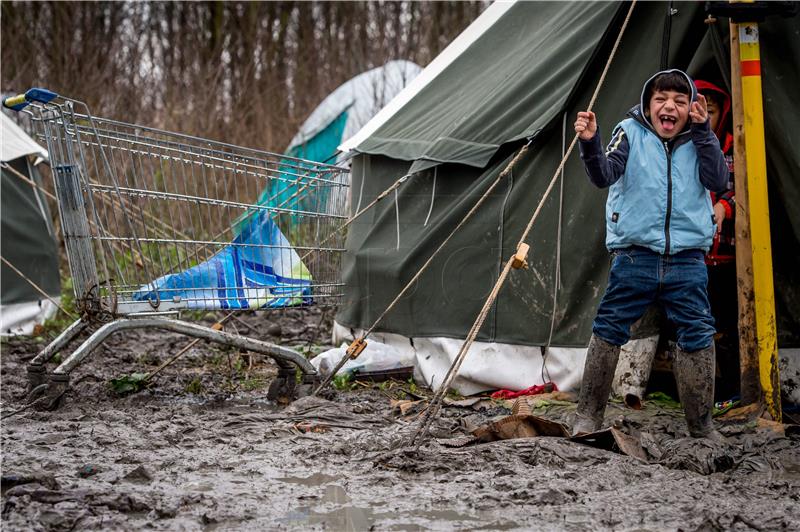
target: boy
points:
(660, 164)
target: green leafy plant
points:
(454, 395)
(344, 382)
(129, 383)
(663, 400)
(60, 320)
(412, 386)
(194, 386)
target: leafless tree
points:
(245, 72)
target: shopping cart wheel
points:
(286, 388)
(36, 376)
(281, 389)
(283, 386)
(37, 392)
(49, 396)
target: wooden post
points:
(763, 294)
(748, 354)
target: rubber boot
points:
(694, 373)
(598, 374)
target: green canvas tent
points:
(26, 237)
(522, 71)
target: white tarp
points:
(362, 96)
(491, 366)
(488, 366)
(21, 318)
(375, 357)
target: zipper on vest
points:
(669, 198)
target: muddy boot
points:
(694, 373)
(598, 373)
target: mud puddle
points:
(226, 459)
(243, 403)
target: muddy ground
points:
(201, 448)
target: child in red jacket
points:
(719, 105)
(721, 258)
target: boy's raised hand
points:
(586, 125)
(699, 110)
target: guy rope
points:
(516, 261)
(360, 343)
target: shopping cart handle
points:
(21, 101)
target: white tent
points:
(15, 143)
(348, 108)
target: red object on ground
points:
(533, 390)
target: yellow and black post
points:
(763, 293)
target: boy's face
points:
(714, 111)
(669, 112)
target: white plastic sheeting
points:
(15, 143)
(21, 318)
(488, 366)
(375, 357)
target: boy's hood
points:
(637, 112)
(726, 105)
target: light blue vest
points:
(639, 210)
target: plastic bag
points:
(375, 357)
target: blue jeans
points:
(640, 277)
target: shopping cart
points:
(156, 222)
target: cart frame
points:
(151, 219)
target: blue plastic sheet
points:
(259, 269)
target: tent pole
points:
(756, 290)
(748, 356)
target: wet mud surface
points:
(201, 448)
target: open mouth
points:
(667, 122)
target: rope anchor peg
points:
(520, 258)
(355, 348)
